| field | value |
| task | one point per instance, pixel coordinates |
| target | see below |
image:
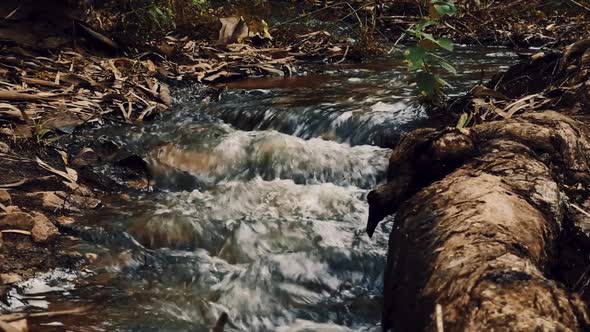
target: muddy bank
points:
(482, 213)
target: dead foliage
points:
(548, 80)
(488, 22)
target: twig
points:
(19, 316)
(15, 231)
(354, 11)
(580, 5)
(19, 96)
(308, 14)
(400, 38)
(344, 56)
(12, 13)
(455, 29)
(439, 319)
(580, 210)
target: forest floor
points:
(53, 84)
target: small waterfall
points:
(271, 155)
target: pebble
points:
(63, 220)
(43, 229)
(91, 257)
(4, 148)
(5, 197)
(10, 278)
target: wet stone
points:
(12, 209)
(17, 220)
(58, 200)
(10, 278)
(43, 230)
(85, 157)
(5, 197)
(4, 148)
(63, 220)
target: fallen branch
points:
(19, 96)
(19, 316)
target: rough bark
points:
(478, 216)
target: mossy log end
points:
(479, 212)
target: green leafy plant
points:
(423, 59)
(143, 20)
(40, 131)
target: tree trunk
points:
(477, 231)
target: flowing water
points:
(258, 209)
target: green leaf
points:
(439, 9)
(427, 83)
(445, 43)
(441, 82)
(417, 34)
(443, 10)
(423, 24)
(415, 57)
(442, 62)
(448, 67)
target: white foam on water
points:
(254, 217)
(272, 155)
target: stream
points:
(258, 208)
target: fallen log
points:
(478, 215)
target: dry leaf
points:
(70, 174)
(233, 29)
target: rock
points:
(19, 325)
(43, 230)
(1, 242)
(59, 200)
(5, 197)
(85, 157)
(91, 257)
(10, 278)
(17, 220)
(4, 148)
(63, 220)
(12, 209)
